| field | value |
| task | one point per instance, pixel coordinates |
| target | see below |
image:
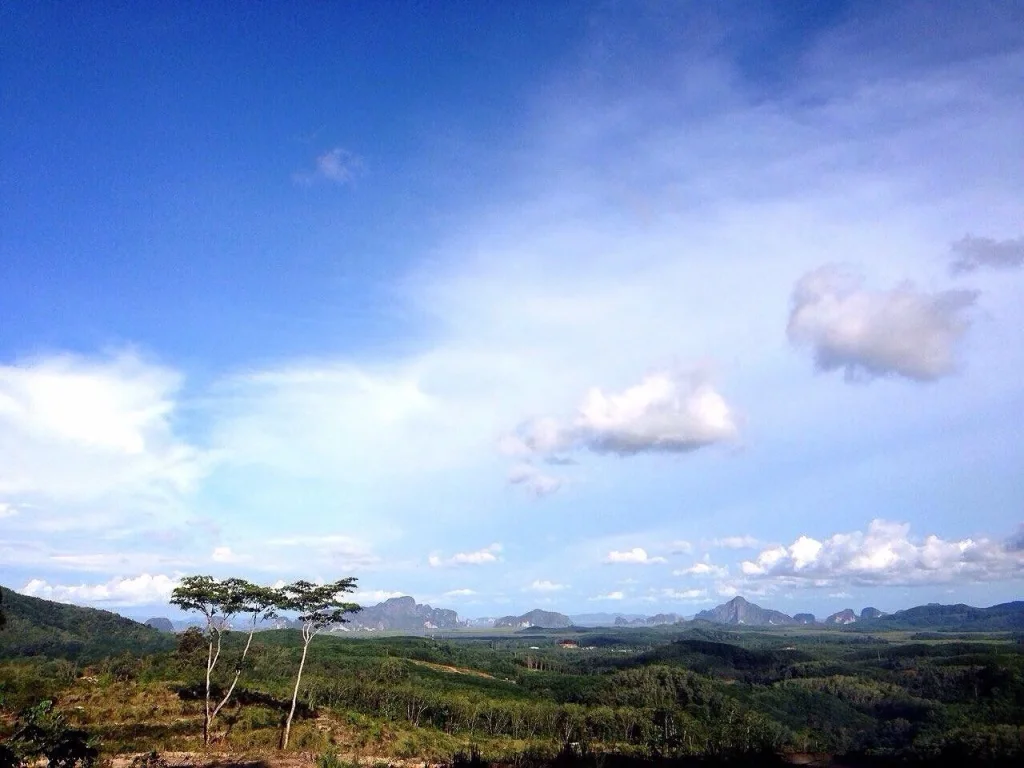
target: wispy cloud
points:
(970, 254)
(544, 585)
(736, 542)
(538, 484)
(636, 555)
(126, 591)
(337, 165)
(609, 596)
(485, 556)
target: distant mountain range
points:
(535, 618)
(649, 621)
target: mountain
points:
(804, 618)
(601, 619)
(161, 624)
(935, 616)
(37, 627)
(535, 618)
(649, 621)
(739, 611)
(845, 616)
(870, 613)
(403, 613)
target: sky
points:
(616, 306)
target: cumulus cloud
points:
(866, 334)
(543, 585)
(537, 483)
(704, 568)
(74, 428)
(736, 542)
(886, 554)
(336, 165)
(635, 555)
(663, 413)
(491, 554)
(609, 596)
(681, 547)
(972, 253)
(144, 589)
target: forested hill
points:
(935, 616)
(38, 627)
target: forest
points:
(681, 693)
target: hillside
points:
(535, 618)
(740, 611)
(935, 616)
(37, 627)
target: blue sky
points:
(623, 306)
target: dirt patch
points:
(453, 670)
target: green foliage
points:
(42, 732)
(38, 627)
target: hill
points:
(740, 611)
(935, 616)
(37, 627)
(398, 613)
(535, 618)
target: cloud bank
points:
(973, 253)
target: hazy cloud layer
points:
(537, 483)
(973, 253)
(866, 334)
(77, 429)
(126, 591)
(886, 555)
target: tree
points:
(259, 603)
(213, 599)
(319, 607)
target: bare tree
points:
(212, 599)
(319, 607)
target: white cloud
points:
(703, 569)
(464, 592)
(637, 555)
(886, 554)
(78, 429)
(125, 591)
(663, 413)
(866, 334)
(338, 165)
(609, 596)
(681, 547)
(972, 253)
(537, 483)
(487, 555)
(736, 542)
(543, 585)
(7, 510)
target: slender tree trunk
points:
(238, 673)
(295, 695)
(211, 662)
